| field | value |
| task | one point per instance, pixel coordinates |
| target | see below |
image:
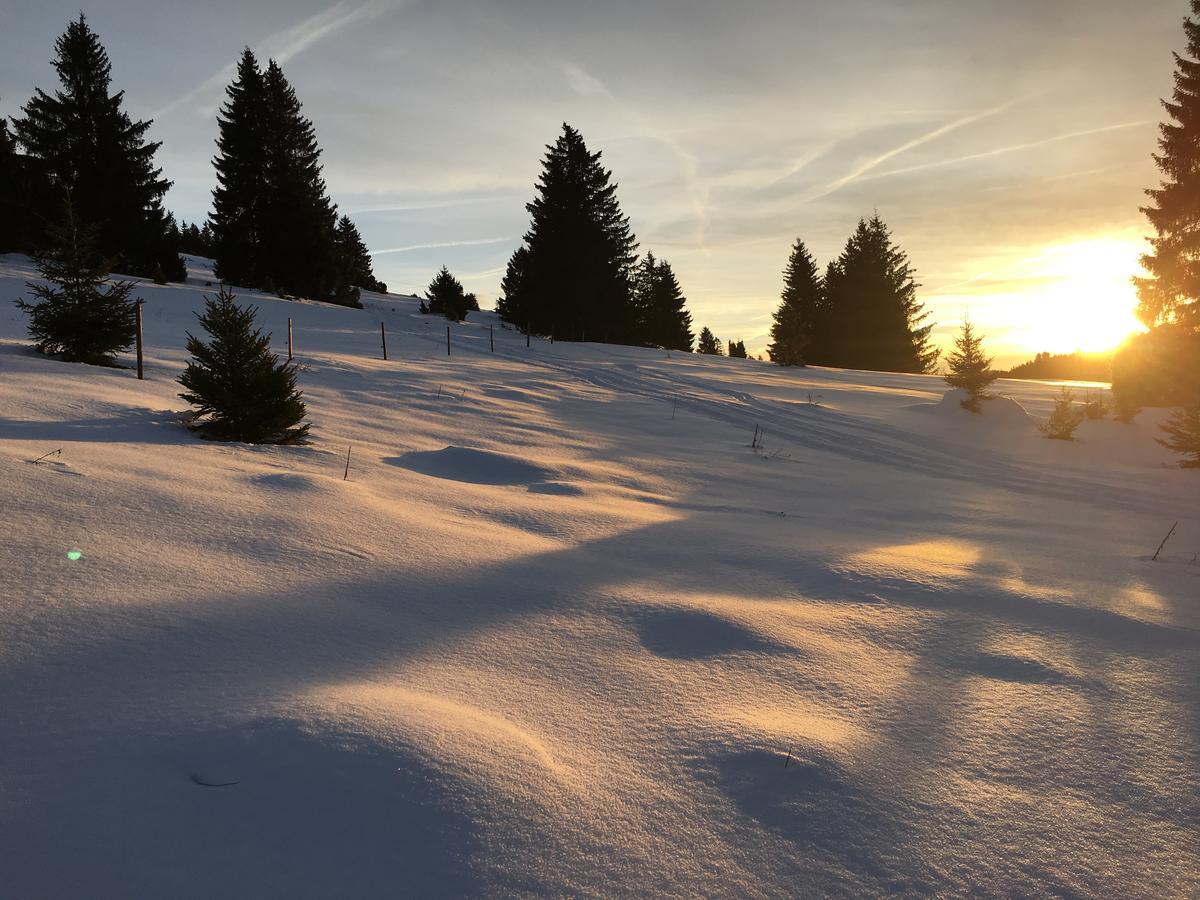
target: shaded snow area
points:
(564, 632)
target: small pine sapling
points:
(78, 315)
(970, 369)
(1064, 418)
(241, 390)
(1095, 407)
(1182, 432)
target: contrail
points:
(987, 154)
(411, 247)
(938, 132)
(283, 45)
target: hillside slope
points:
(562, 631)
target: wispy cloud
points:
(411, 247)
(283, 45)
(1012, 148)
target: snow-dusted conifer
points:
(1182, 431)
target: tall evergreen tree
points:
(88, 146)
(274, 226)
(660, 309)
(78, 315)
(970, 369)
(795, 331)
(737, 349)
(1171, 290)
(873, 319)
(354, 260)
(237, 219)
(708, 343)
(574, 277)
(298, 246)
(241, 390)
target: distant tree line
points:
(1065, 367)
(862, 313)
(272, 226)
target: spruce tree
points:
(88, 145)
(795, 331)
(447, 297)
(873, 319)
(236, 221)
(709, 343)
(354, 260)
(970, 369)
(297, 245)
(1171, 290)
(573, 276)
(1182, 431)
(79, 315)
(1064, 418)
(241, 390)
(737, 349)
(660, 309)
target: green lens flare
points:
(74, 554)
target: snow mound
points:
(695, 634)
(1003, 412)
(472, 466)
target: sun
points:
(1084, 299)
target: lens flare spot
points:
(74, 555)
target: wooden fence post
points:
(139, 339)
(289, 338)
(492, 338)
(383, 337)
(447, 340)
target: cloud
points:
(283, 45)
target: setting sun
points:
(1088, 300)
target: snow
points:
(562, 631)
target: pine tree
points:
(446, 296)
(89, 146)
(660, 309)
(709, 343)
(573, 276)
(241, 390)
(795, 333)
(737, 349)
(354, 260)
(79, 314)
(1171, 291)
(873, 319)
(238, 200)
(1183, 434)
(970, 369)
(1064, 418)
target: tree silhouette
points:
(660, 309)
(794, 333)
(88, 146)
(970, 369)
(708, 343)
(573, 276)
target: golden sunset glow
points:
(1088, 300)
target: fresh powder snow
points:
(562, 630)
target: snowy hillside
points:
(562, 631)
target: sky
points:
(1007, 144)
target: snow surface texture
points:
(562, 631)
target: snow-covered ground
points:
(562, 631)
